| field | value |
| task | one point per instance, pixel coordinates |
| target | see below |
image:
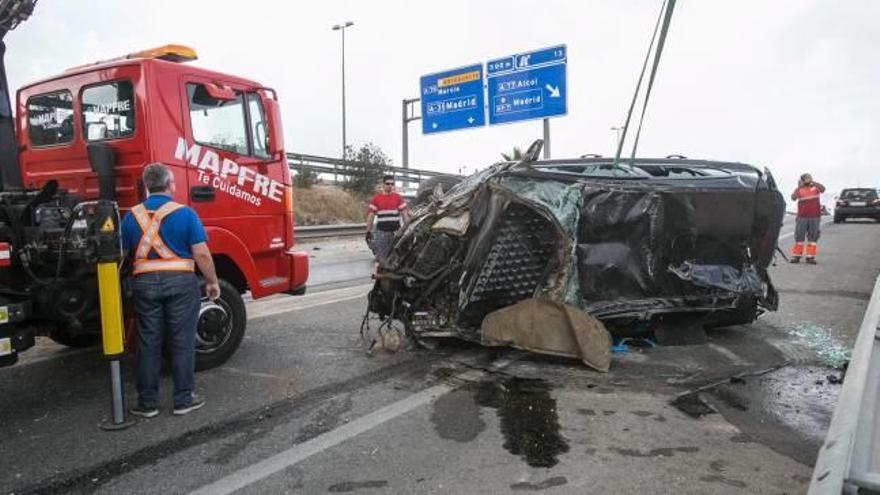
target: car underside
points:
(626, 244)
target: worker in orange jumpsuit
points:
(809, 213)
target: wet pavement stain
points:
(661, 452)
(543, 485)
(350, 486)
(528, 416)
(457, 416)
(693, 405)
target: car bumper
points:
(858, 211)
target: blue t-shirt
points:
(179, 230)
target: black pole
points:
(10, 174)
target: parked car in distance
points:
(861, 202)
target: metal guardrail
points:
(849, 458)
(322, 231)
(335, 166)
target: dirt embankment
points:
(327, 205)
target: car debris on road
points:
(599, 248)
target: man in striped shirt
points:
(390, 212)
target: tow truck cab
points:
(220, 135)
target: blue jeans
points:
(167, 306)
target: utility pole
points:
(341, 28)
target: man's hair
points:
(804, 176)
(387, 177)
(157, 177)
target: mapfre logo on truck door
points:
(227, 176)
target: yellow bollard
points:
(111, 309)
(109, 253)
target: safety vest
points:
(150, 222)
(808, 202)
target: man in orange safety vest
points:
(809, 213)
(167, 241)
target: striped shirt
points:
(387, 208)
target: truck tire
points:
(217, 340)
(426, 187)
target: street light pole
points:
(341, 28)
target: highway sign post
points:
(453, 100)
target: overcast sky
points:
(788, 84)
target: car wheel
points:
(838, 219)
(220, 328)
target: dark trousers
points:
(167, 306)
(806, 229)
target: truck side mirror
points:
(276, 128)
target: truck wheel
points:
(221, 328)
(67, 338)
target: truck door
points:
(232, 182)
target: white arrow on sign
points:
(470, 120)
(434, 125)
(554, 92)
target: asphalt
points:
(302, 408)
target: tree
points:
(515, 156)
(366, 167)
(306, 178)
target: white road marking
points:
(298, 453)
(261, 309)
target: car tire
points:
(213, 349)
(427, 186)
(838, 219)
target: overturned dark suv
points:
(627, 245)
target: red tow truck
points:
(221, 136)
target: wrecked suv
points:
(629, 245)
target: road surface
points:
(301, 408)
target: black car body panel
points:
(624, 244)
